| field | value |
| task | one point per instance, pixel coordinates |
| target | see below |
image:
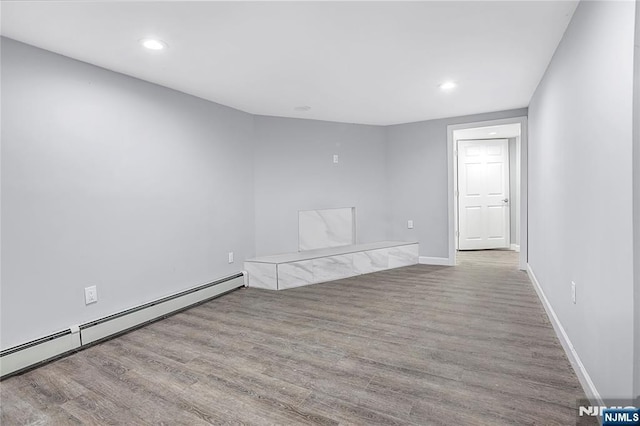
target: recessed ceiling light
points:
(153, 44)
(302, 108)
(493, 133)
(448, 85)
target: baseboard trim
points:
(515, 247)
(122, 322)
(24, 357)
(583, 376)
(424, 260)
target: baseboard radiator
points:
(18, 359)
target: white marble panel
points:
(325, 228)
(333, 268)
(365, 262)
(262, 275)
(331, 251)
(295, 274)
(403, 256)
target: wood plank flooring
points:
(464, 345)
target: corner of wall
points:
(636, 204)
(387, 190)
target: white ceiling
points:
(489, 132)
(357, 62)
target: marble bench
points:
(282, 271)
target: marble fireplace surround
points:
(318, 229)
(283, 271)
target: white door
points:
(483, 194)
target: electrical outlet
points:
(90, 295)
(335, 158)
(230, 257)
(573, 292)
(409, 224)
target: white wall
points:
(636, 201)
(580, 191)
(417, 169)
(294, 171)
(111, 181)
(517, 201)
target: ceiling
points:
(489, 132)
(357, 62)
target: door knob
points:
(506, 200)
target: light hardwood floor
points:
(464, 345)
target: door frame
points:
(452, 182)
(457, 190)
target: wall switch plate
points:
(90, 295)
(409, 224)
(230, 257)
(335, 158)
(573, 292)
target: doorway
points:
(500, 220)
(484, 211)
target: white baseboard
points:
(28, 355)
(583, 376)
(424, 260)
(515, 247)
(47, 349)
(104, 328)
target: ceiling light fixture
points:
(448, 85)
(493, 133)
(153, 44)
